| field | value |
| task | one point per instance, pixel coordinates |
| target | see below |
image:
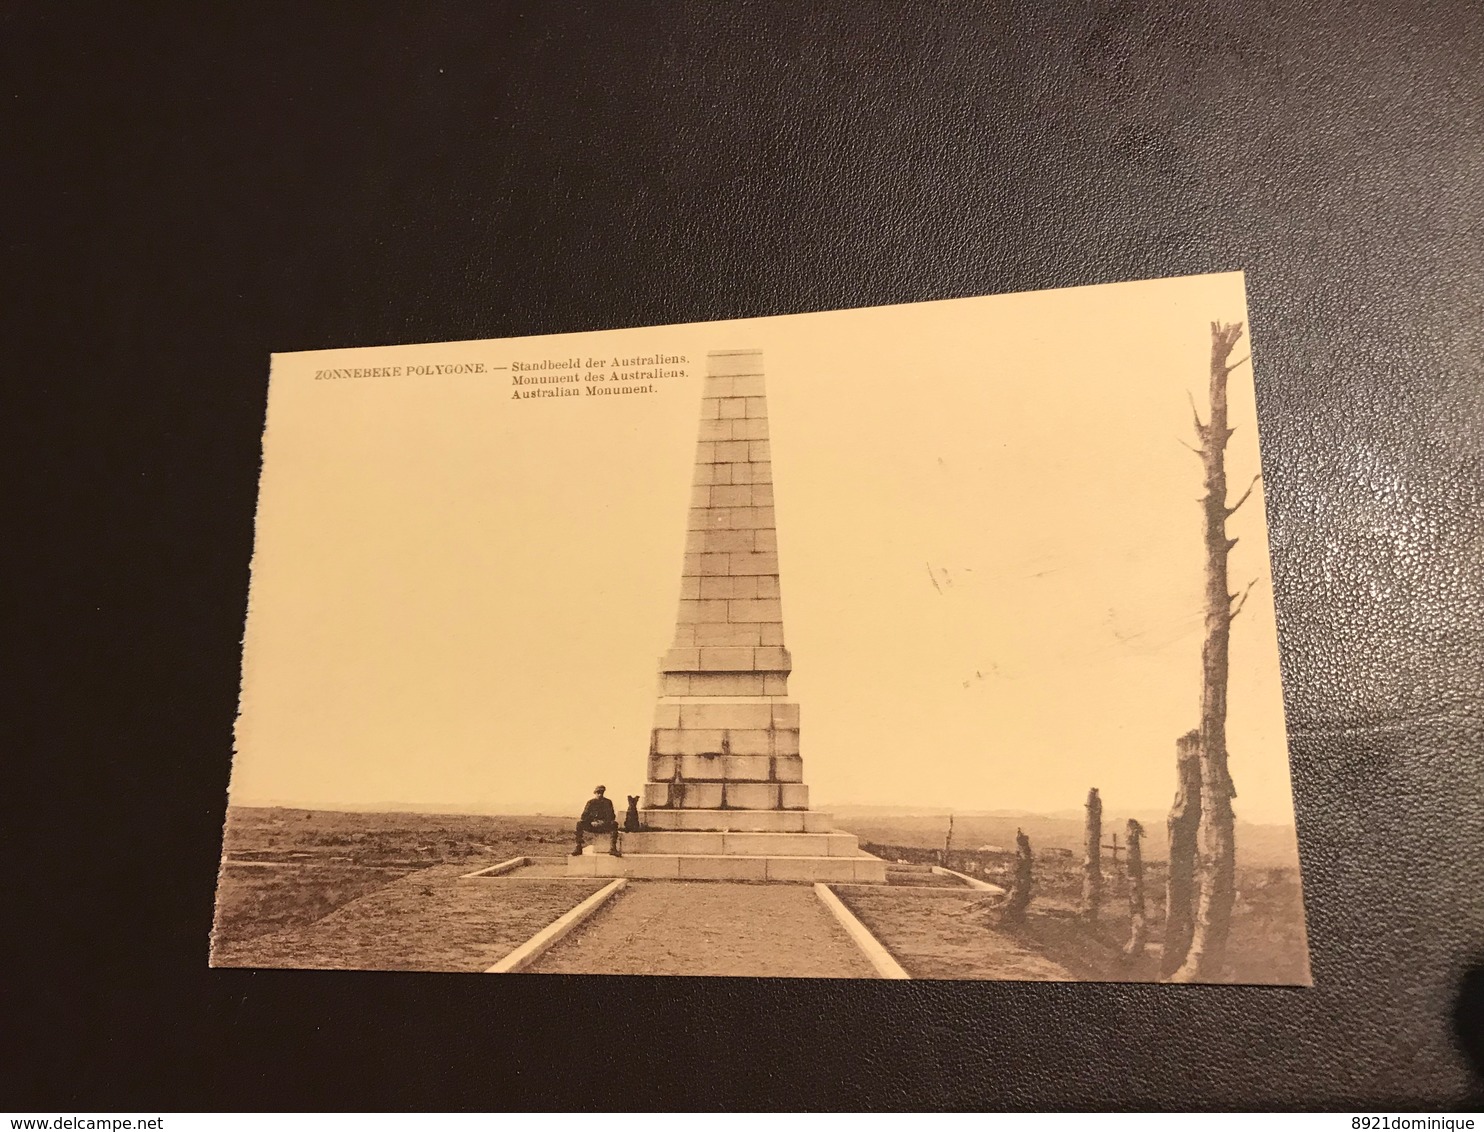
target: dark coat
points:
(597, 809)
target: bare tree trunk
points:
(1184, 826)
(1092, 866)
(1020, 890)
(1207, 952)
(1138, 928)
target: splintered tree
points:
(1184, 826)
(1138, 928)
(1092, 866)
(1207, 952)
(1020, 890)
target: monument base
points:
(788, 855)
(754, 821)
(863, 869)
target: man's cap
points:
(599, 789)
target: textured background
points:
(185, 195)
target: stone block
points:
(723, 868)
(690, 588)
(784, 715)
(787, 768)
(775, 685)
(699, 741)
(668, 715)
(725, 684)
(752, 796)
(753, 428)
(753, 564)
(682, 660)
(662, 767)
(757, 451)
(786, 741)
(766, 540)
(675, 842)
(748, 385)
(674, 684)
(706, 450)
(706, 767)
(756, 406)
(749, 741)
(756, 609)
(726, 659)
(726, 636)
(747, 768)
(707, 565)
(697, 795)
(762, 471)
(727, 362)
(733, 450)
(770, 633)
(762, 495)
(843, 845)
(727, 473)
(733, 495)
(718, 587)
(793, 796)
(771, 658)
(754, 517)
(727, 541)
(726, 716)
(811, 870)
(733, 408)
(716, 387)
(666, 741)
(709, 409)
(656, 795)
(695, 541)
(685, 637)
(793, 844)
(721, 430)
(693, 612)
(741, 588)
(656, 866)
(766, 821)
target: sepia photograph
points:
(931, 641)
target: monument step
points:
(742, 821)
(740, 844)
(861, 869)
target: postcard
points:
(923, 641)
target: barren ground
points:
(426, 921)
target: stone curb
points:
(981, 885)
(533, 948)
(886, 967)
(496, 870)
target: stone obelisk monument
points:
(725, 796)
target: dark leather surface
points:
(187, 195)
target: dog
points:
(631, 823)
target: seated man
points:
(598, 817)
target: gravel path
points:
(710, 928)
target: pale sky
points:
(989, 544)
